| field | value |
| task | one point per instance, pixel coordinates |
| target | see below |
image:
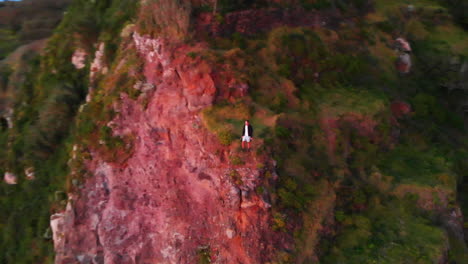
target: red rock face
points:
(176, 194)
(400, 109)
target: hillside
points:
(28, 20)
(123, 140)
(24, 29)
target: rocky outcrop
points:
(176, 194)
(403, 45)
(78, 58)
(8, 117)
(400, 109)
(30, 174)
(10, 178)
(98, 64)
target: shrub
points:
(340, 216)
(203, 255)
(225, 137)
(192, 54)
(387, 233)
(282, 132)
(235, 177)
(407, 164)
(279, 221)
(236, 160)
(294, 196)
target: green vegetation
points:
(319, 100)
(204, 255)
(235, 177)
(330, 92)
(223, 119)
(236, 160)
(25, 21)
(8, 42)
(386, 233)
(46, 127)
(407, 164)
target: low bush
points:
(407, 164)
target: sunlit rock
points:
(29, 172)
(10, 178)
(230, 233)
(98, 66)
(74, 151)
(400, 109)
(403, 45)
(7, 118)
(79, 58)
(127, 31)
(58, 224)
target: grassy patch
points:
(387, 233)
(204, 255)
(236, 160)
(340, 101)
(225, 119)
(409, 165)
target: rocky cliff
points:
(174, 197)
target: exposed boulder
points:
(7, 118)
(400, 109)
(30, 174)
(79, 58)
(127, 31)
(10, 178)
(402, 45)
(98, 64)
(144, 87)
(58, 223)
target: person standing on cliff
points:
(247, 134)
